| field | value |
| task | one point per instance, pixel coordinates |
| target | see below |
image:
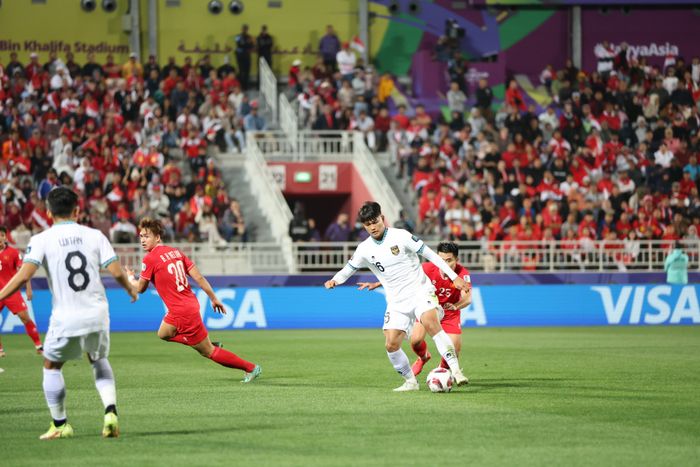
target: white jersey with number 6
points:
(73, 255)
(394, 260)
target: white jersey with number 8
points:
(73, 256)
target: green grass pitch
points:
(541, 396)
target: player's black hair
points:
(448, 247)
(369, 211)
(62, 201)
(3, 229)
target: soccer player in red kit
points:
(168, 268)
(452, 301)
(10, 263)
(450, 298)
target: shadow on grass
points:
(198, 431)
(22, 411)
(488, 384)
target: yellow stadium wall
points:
(185, 30)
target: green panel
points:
(499, 91)
(398, 46)
(520, 25)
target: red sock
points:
(231, 360)
(443, 364)
(32, 332)
(421, 349)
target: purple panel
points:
(478, 278)
(546, 45)
(649, 33)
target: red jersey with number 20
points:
(10, 262)
(444, 289)
(167, 268)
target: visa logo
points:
(643, 304)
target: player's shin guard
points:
(420, 349)
(446, 349)
(399, 360)
(231, 360)
(55, 392)
(32, 332)
(104, 382)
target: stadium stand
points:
(134, 140)
(613, 152)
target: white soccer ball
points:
(440, 380)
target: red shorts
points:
(15, 303)
(189, 326)
(452, 322)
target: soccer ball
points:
(440, 380)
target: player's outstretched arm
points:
(204, 285)
(138, 283)
(115, 269)
(434, 258)
(465, 300)
(18, 280)
(340, 277)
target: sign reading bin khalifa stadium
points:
(346, 307)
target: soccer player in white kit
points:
(392, 255)
(73, 255)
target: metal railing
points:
(378, 186)
(535, 256)
(331, 146)
(288, 117)
(270, 198)
(268, 90)
(500, 256)
(305, 146)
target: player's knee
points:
(392, 346)
(164, 335)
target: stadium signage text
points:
(649, 305)
(649, 50)
(62, 47)
(312, 307)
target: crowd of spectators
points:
(133, 139)
(612, 157)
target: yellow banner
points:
(61, 27)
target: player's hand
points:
(218, 306)
(449, 306)
(330, 284)
(460, 284)
(133, 294)
(368, 285)
(29, 296)
(131, 276)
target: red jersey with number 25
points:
(10, 262)
(444, 289)
(167, 268)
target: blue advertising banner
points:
(346, 307)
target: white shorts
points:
(403, 314)
(61, 349)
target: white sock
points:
(446, 349)
(401, 364)
(104, 382)
(55, 392)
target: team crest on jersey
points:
(395, 250)
(28, 250)
(143, 266)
